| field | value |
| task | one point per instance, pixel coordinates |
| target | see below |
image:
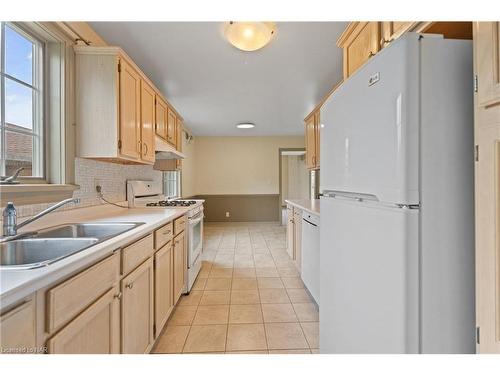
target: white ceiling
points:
(215, 86)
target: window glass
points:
(18, 56)
(18, 104)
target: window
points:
(22, 130)
(172, 184)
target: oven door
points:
(195, 238)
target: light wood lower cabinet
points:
(179, 265)
(297, 237)
(137, 310)
(95, 331)
(164, 299)
(18, 328)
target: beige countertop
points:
(309, 205)
(17, 284)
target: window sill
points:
(35, 193)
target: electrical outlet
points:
(228, 214)
(97, 185)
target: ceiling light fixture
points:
(249, 36)
(245, 125)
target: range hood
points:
(165, 151)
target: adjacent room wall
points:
(240, 175)
(188, 174)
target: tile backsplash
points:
(112, 177)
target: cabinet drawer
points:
(135, 254)
(163, 235)
(179, 225)
(68, 299)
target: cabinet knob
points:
(384, 42)
(118, 296)
(371, 54)
(167, 232)
(129, 285)
(146, 148)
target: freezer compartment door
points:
(368, 278)
(369, 131)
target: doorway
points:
(294, 179)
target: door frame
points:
(280, 152)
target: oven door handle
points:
(195, 220)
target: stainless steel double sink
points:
(39, 249)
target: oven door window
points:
(196, 237)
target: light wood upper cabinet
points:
(317, 132)
(18, 328)
(147, 123)
(312, 125)
(130, 112)
(164, 299)
(161, 118)
(95, 331)
(179, 258)
(137, 312)
(171, 127)
(392, 30)
(360, 41)
(487, 39)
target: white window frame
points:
(38, 131)
(177, 181)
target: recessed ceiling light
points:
(250, 36)
(245, 125)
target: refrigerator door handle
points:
(360, 197)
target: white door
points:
(368, 278)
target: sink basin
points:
(38, 252)
(101, 231)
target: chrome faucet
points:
(10, 225)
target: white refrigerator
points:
(397, 211)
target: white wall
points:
(188, 173)
(240, 165)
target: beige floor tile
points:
(240, 297)
(285, 336)
(172, 339)
(215, 297)
(249, 352)
(221, 273)
(245, 314)
(205, 270)
(244, 284)
(218, 284)
(209, 338)
(273, 296)
(267, 272)
(191, 299)
(292, 282)
(298, 295)
(284, 263)
(315, 351)
(290, 351)
(182, 316)
(311, 330)
(306, 312)
(246, 337)
(246, 272)
(278, 313)
(211, 314)
(288, 272)
(270, 283)
(200, 283)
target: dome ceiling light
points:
(249, 36)
(245, 125)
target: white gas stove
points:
(148, 194)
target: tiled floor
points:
(248, 297)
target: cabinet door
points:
(297, 238)
(164, 299)
(487, 40)
(171, 127)
(317, 128)
(17, 329)
(310, 143)
(137, 310)
(363, 45)
(95, 331)
(178, 142)
(161, 118)
(290, 235)
(392, 30)
(130, 112)
(179, 265)
(147, 123)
